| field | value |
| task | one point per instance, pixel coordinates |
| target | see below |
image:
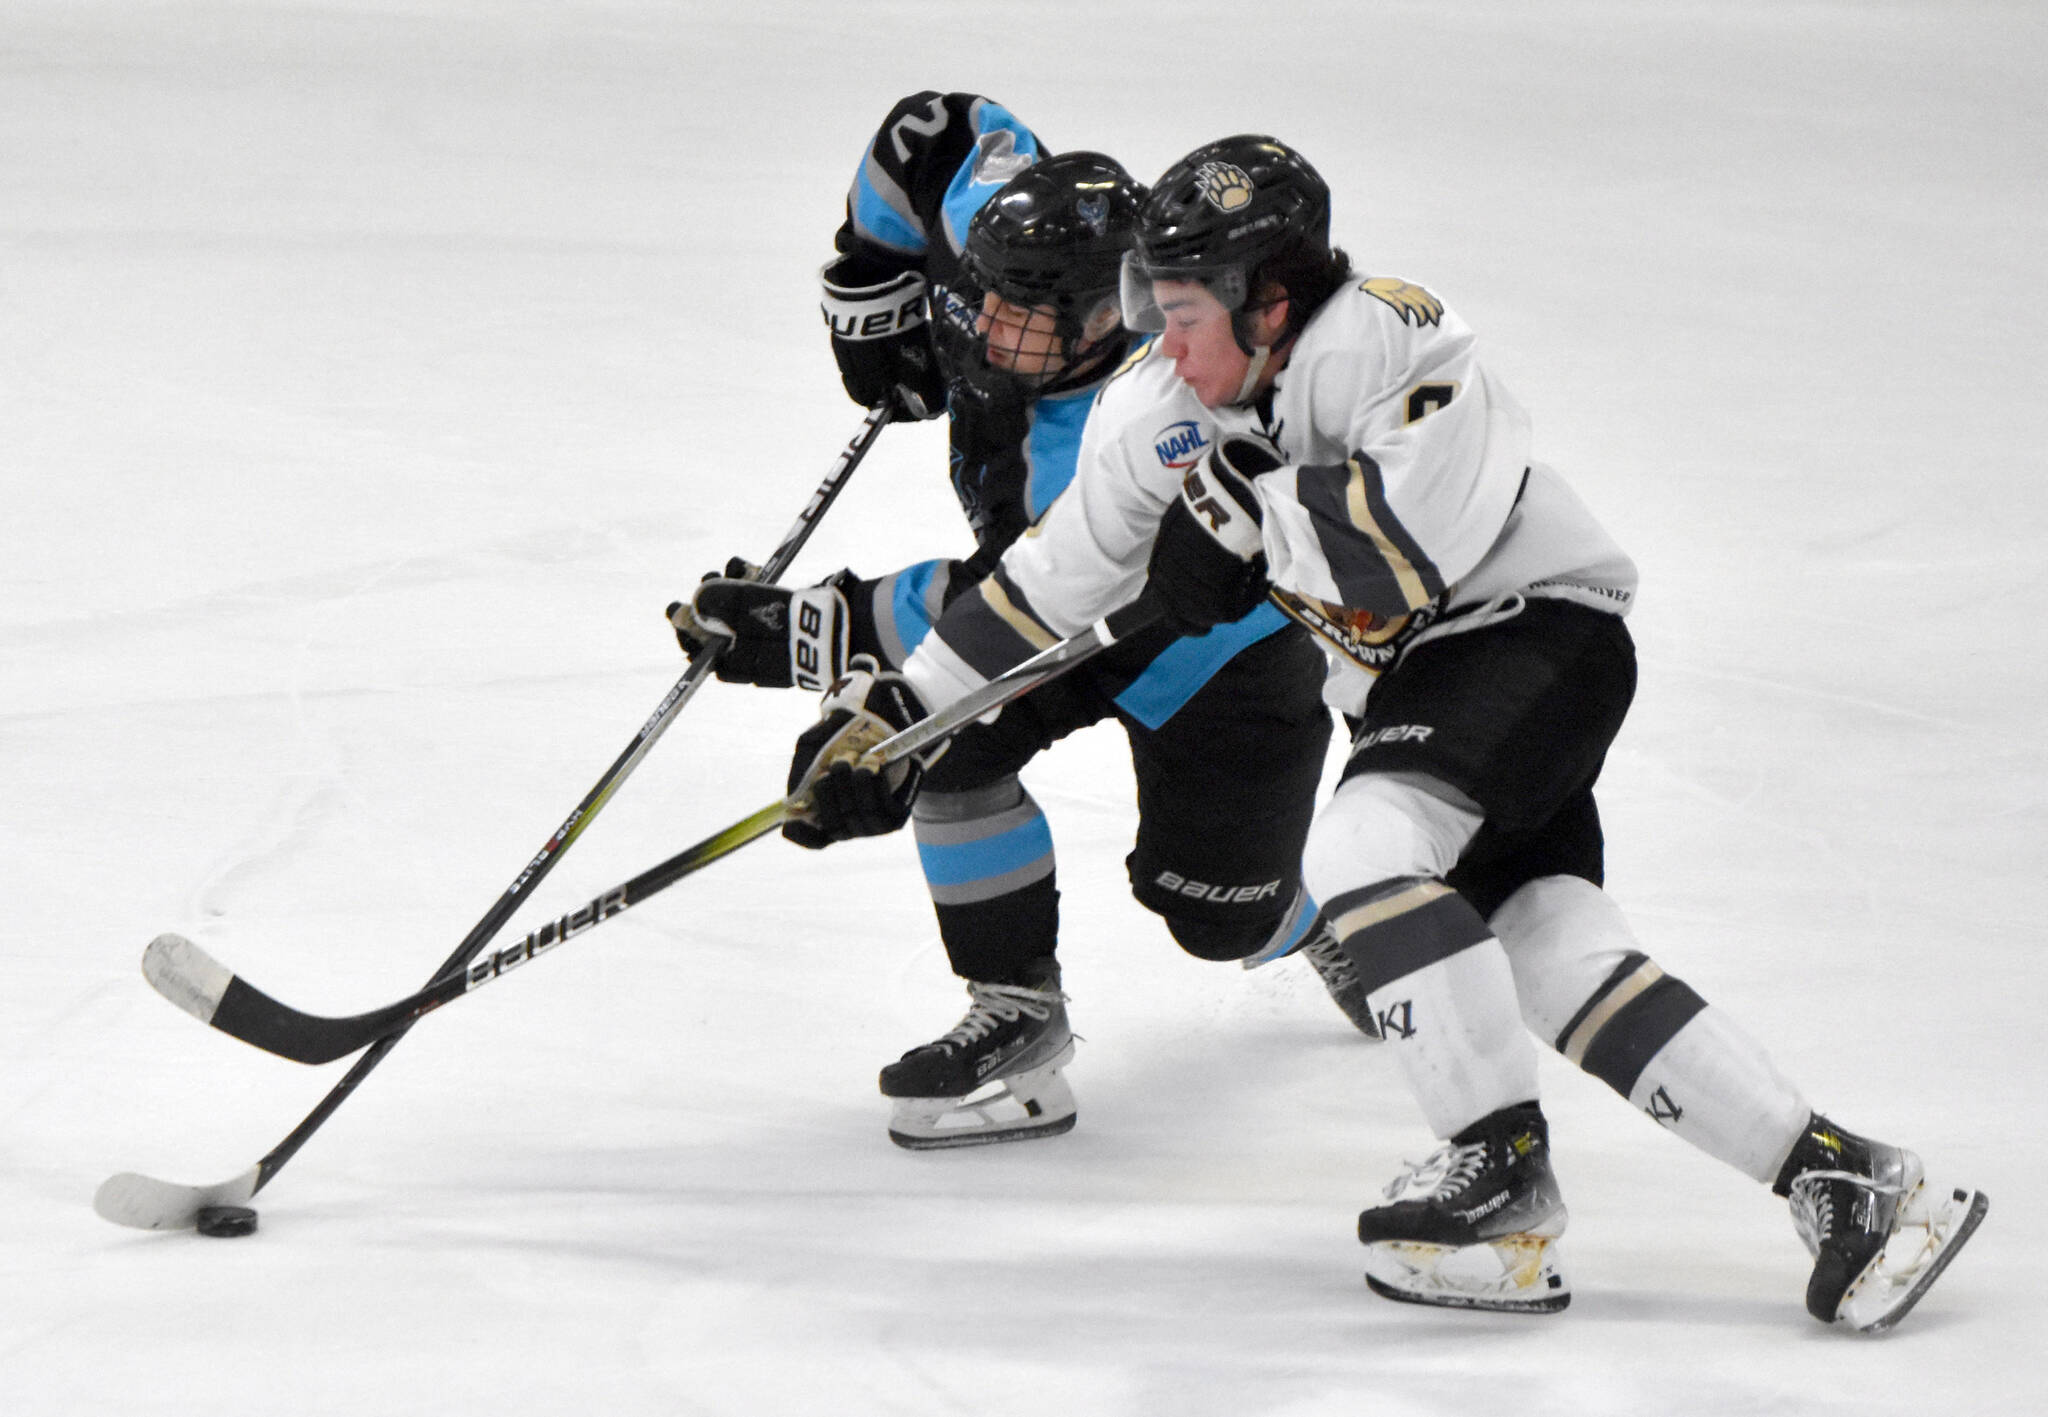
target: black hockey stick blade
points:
(200, 985)
(206, 989)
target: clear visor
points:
(1142, 311)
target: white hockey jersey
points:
(1407, 496)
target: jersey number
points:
(1425, 399)
(933, 122)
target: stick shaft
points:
(593, 801)
(256, 1018)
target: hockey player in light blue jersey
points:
(978, 277)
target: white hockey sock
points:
(1715, 1086)
(1459, 1040)
(1456, 1029)
(1435, 976)
(1589, 990)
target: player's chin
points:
(1208, 389)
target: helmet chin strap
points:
(1252, 371)
(1260, 355)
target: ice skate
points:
(995, 1077)
(1879, 1238)
(1346, 988)
(1476, 1225)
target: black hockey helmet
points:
(1236, 214)
(1055, 235)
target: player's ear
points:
(1271, 320)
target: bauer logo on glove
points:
(771, 636)
(880, 336)
(1229, 522)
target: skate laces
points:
(996, 1004)
(1444, 1172)
(1330, 961)
(1813, 1202)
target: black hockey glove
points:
(1208, 567)
(866, 706)
(881, 338)
(774, 636)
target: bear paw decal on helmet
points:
(1224, 185)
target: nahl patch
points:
(1221, 895)
(1180, 445)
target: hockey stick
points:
(130, 1199)
(190, 978)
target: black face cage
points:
(964, 347)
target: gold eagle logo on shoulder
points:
(1134, 358)
(1415, 305)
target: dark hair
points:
(1308, 274)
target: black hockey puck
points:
(226, 1222)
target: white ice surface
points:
(372, 372)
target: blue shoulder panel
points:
(1052, 448)
(878, 218)
(1004, 148)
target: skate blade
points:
(1030, 1105)
(912, 1137)
(1925, 1240)
(1516, 1274)
(1362, 1020)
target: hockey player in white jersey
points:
(1352, 451)
(1369, 466)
